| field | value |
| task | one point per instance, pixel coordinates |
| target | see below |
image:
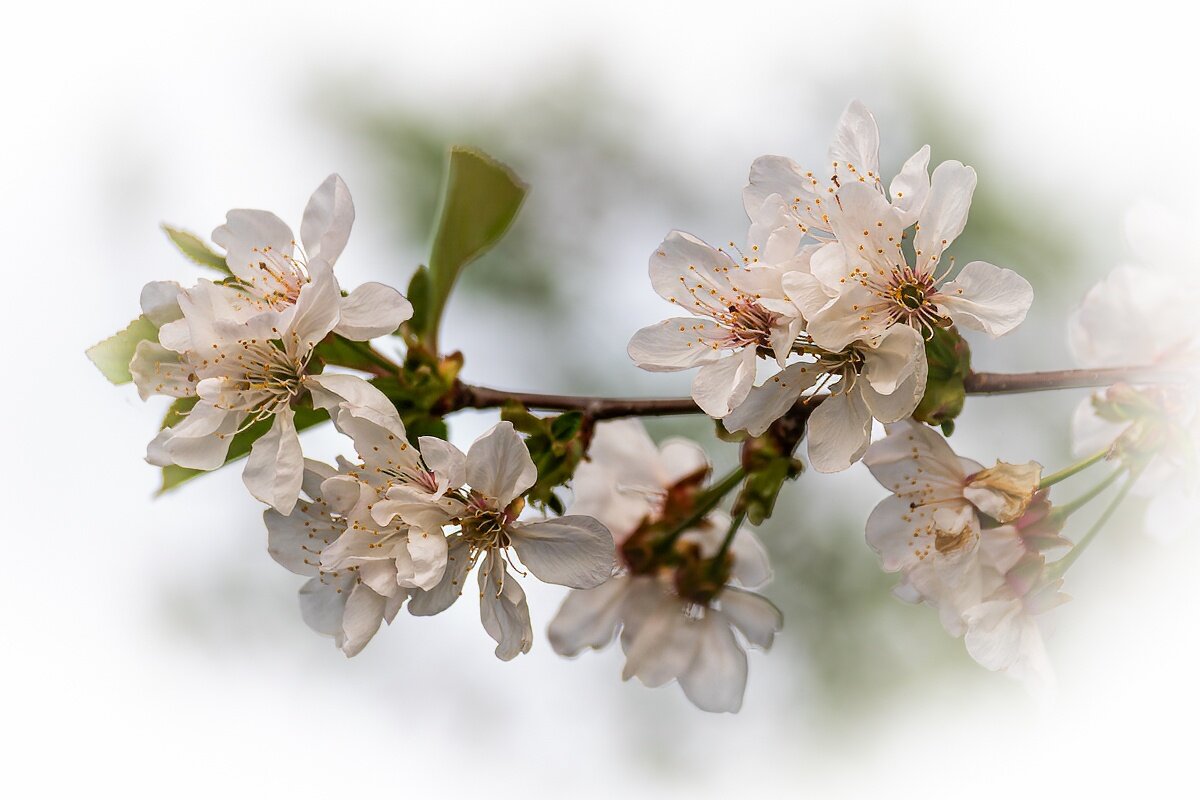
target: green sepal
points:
(556, 444)
(196, 249)
(949, 359)
(112, 356)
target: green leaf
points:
(112, 356)
(174, 475)
(196, 249)
(480, 202)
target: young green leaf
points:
(112, 356)
(196, 249)
(480, 202)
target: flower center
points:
(749, 323)
(486, 529)
(266, 378)
(281, 277)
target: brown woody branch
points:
(598, 408)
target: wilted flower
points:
(937, 497)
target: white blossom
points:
(937, 497)
(665, 637)
(574, 551)
(986, 581)
(335, 603)
(879, 379)
(862, 284)
(272, 268)
(1139, 317)
(245, 371)
(786, 199)
(738, 310)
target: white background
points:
(152, 648)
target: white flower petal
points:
(662, 646)
(327, 220)
(275, 468)
(371, 310)
(869, 229)
(449, 588)
(692, 274)
(754, 615)
(855, 147)
(855, 314)
(588, 618)
(201, 441)
(751, 564)
(248, 232)
(945, 213)
(910, 189)
(715, 680)
(361, 619)
(676, 344)
(503, 610)
(428, 552)
(447, 462)
(499, 466)
(323, 602)
(157, 370)
(913, 457)
(839, 430)
(774, 398)
(986, 298)
(574, 551)
(722, 386)
(679, 458)
(160, 302)
(317, 308)
(893, 359)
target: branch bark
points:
(598, 408)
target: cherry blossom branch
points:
(1020, 382)
(598, 408)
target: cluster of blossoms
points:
(242, 347)
(405, 522)
(831, 291)
(969, 542)
(1144, 316)
(844, 290)
(677, 597)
